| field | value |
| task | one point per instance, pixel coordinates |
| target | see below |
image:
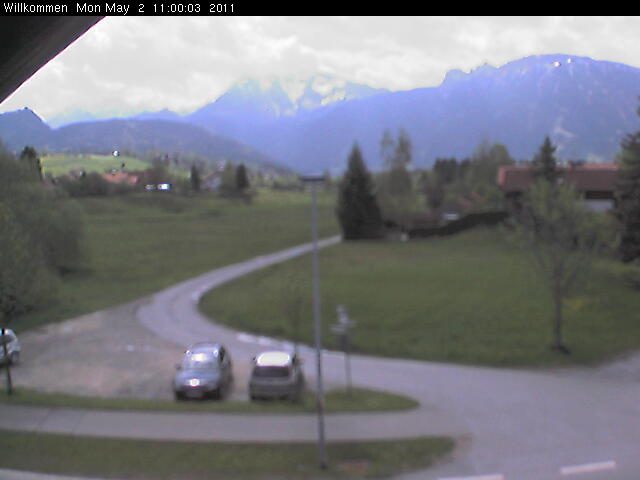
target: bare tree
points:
(563, 237)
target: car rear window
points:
(272, 372)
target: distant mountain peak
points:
(280, 96)
(25, 112)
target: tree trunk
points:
(558, 345)
(7, 365)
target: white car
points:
(13, 347)
(276, 375)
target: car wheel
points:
(178, 396)
(14, 358)
(216, 394)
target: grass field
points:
(357, 400)
(163, 460)
(472, 298)
(140, 243)
(60, 163)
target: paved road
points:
(511, 424)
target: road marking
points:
(329, 353)
(268, 342)
(493, 476)
(588, 468)
(246, 338)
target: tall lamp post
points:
(313, 181)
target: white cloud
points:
(182, 63)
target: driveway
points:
(511, 424)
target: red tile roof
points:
(121, 177)
(599, 177)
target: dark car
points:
(276, 375)
(204, 372)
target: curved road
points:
(510, 424)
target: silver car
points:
(205, 371)
(13, 347)
(276, 375)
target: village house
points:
(127, 178)
(595, 181)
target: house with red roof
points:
(595, 181)
(121, 177)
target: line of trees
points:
(40, 238)
(234, 182)
(400, 192)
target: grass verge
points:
(472, 298)
(358, 400)
(160, 460)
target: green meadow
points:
(61, 163)
(472, 298)
(140, 243)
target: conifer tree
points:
(195, 178)
(242, 180)
(358, 211)
(545, 163)
(627, 195)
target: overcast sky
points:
(131, 64)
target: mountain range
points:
(24, 127)
(585, 106)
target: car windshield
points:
(194, 362)
(271, 372)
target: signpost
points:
(342, 329)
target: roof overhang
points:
(28, 43)
(588, 177)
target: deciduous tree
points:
(25, 280)
(29, 157)
(396, 194)
(562, 236)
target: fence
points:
(466, 222)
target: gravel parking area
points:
(105, 354)
(110, 354)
